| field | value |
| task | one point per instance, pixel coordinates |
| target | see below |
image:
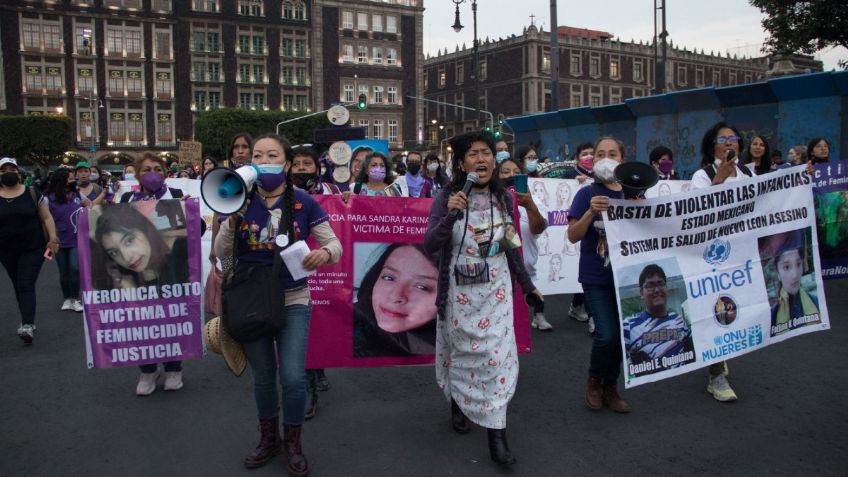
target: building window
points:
(84, 43)
(53, 79)
(595, 100)
(288, 10)
(31, 33)
(301, 77)
(209, 6)
(161, 6)
(731, 80)
(288, 102)
(135, 86)
(615, 95)
(33, 81)
(114, 41)
(393, 130)
(442, 78)
(638, 71)
(347, 53)
(362, 54)
(546, 61)
(595, 66)
(132, 42)
(244, 100)
(576, 65)
(716, 78)
(52, 36)
(347, 93)
(347, 20)
(699, 76)
(162, 46)
(363, 123)
(287, 47)
(484, 70)
(244, 44)
(85, 127)
(215, 99)
(748, 77)
(163, 85)
(300, 49)
(244, 73)
(392, 96)
(377, 55)
(135, 127)
(299, 11)
(363, 89)
(212, 42)
(85, 81)
(615, 72)
(250, 8)
(258, 45)
(300, 102)
(116, 83)
(460, 73)
(164, 128)
(259, 73)
(378, 129)
(576, 95)
(287, 75)
(391, 24)
(377, 22)
(391, 56)
(378, 94)
(362, 21)
(213, 72)
(258, 101)
(681, 75)
(117, 127)
(198, 71)
(200, 100)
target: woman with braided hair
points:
(279, 213)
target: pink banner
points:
(376, 307)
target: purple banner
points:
(141, 282)
(831, 200)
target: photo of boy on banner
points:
(657, 336)
(129, 250)
(394, 310)
(790, 279)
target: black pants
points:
(23, 269)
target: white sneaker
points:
(67, 304)
(147, 383)
(578, 313)
(540, 323)
(76, 305)
(173, 380)
(26, 333)
(720, 388)
(591, 325)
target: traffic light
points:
(500, 119)
(362, 104)
(497, 134)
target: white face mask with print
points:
(604, 170)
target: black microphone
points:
(472, 179)
(731, 155)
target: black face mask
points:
(509, 181)
(305, 180)
(10, 178)
(413, 168)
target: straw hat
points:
(219, 342)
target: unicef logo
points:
(717, 251)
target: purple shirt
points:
(65, 216)
(591, 270)
(260, 227)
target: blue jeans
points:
(23, 269)
(605, 361)
(288, 347)
(69, 276)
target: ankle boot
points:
(298, 465)
(613, 400)
(270, 444)
(498, 448)
(594, 394)
(458, 419)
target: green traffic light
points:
(362, 104)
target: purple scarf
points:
(414, 183)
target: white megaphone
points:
(225, 190)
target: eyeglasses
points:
(726, 139)
(651, 287)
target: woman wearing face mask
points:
(435, 175)
(529, 160)
(414, 183)
(279, 213)
(86, 185)
(594, 273)
(26, 228)
(720, 149)
(583, 163)
(758, 155)
(151, 170)
(375, 178)
(65, 206)
(476, 355)
(662, 159)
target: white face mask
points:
(432, 167)
(604, 170)
(531, 165)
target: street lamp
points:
(457, 27)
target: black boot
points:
(498, 448)
(298, 465)
(458, 419)
(270, 444)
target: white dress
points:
(476, 355)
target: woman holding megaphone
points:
(280, 214)
(594, 273)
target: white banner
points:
(556, 267)
(715, 273)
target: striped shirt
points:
(647, 337)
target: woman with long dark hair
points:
(26, 229)
(818, 150)
(65, 205)
(476, 355)
(279, 213)
(758, 155)
(376, 178)
(434, 174)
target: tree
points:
(804, 26)
(216, 128)
(42, 139)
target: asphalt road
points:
(59, 418)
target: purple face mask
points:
(377, 174)
(666, 166)
(152, 181)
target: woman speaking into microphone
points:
(476, 355)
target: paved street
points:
(58, 418)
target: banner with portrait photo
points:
(558, 259)
(140, 282)
(715, 273)
(377, 306)
(831, 199)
